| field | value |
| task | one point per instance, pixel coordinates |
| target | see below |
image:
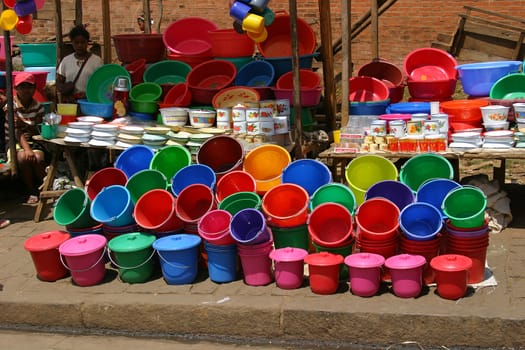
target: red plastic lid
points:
(46, 241)
(323, 259)
(288, 254)
(395, 116)
(451, 262)
(82, 245)
(364, 260)
(405, 261)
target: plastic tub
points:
(178, 95)
(104, 110)
(72, 209)
(397, 192)
(508, 87)
(430, 64)
(144, 181)
(222, 262)
(451, 275)
(307, 78)
(266, 163)
(464, 110)
(131, 47)
(234, 182)
(167, 72)
(409, 108)
(363, 89)
(310, 174)
(239, 201)
(229, 43)
(136, 70)
(113, 206)
(248, 227)
(155, 210)
(222, 154)
(192, 174)
(433, 191)
(377, 219)
(334, 193)
(465, 207)
(431, 89)
(38, 54)
(423, 167)
(170, 159)
(255, 73)
(369, 107)
(289, 266)
(406, 271)
(43, 248)
(178, 257)
(310, 97)
(208, 78)
(330, 225)
(478, 78)
(365, 273)
(286, 213)
(283, 65)
(214, 227)
(382, 70)
(324, 271)
(189, 36)
(103, 178)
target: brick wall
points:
(407, 25)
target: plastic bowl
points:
(423, 167)
(148, 107)
(307, 77)
(208, 78)
(131, 47)
(231, 96)
(255, 73)
(229, 43)
(511, 86)
(309, 97)
(100, 84)
(104, 110)
(431, 89)
(178, 96)
(38, 54)
(189, 36)
(369, 107)
(201, 118)
(426, 64)
(167, 72)
(363, 89)
(145, 92)
(136, 70)
(477, 78)
(266, 164)
(283, 64)
(463, 110)
(382, 70)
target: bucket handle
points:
(83, 270)
(130, 267)
(172, 264)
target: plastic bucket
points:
(377, 219)
(193, 202)
(134, 159)
(256, 263)
(214, 227)
(451, 275)
(434, 191)
(192, 174)
(43, 248)
(221, 153)
(286, 205)
(74, 232)
(364, 171)
(72, 209)
(406, 271)
(330, 225)
(84, 258)
(133, 255)
(428, 249)
(324, 269)
(113, 206)
(420, 221)
(222, 262)
(288, 267)
(310, 174)
(144, 181)
(170, 159)
(465, 207)
(239, 201)
(104, 178)
(397, 192)
(233, 182)
(295, 237)
(179, 255)
(334, 193)
(478, 256)
(365, 273)
(423, 167)
(344, 250)
(266, 163)
(248, 227)
(155, 211)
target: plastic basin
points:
(131, 47)
(477, 78)
(167, 72)
(189, 36)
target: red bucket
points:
(478, 257)
(136, 70)
(214, 227)
(451, 275)
(377, 219)
(324, 271)
(155, 210)
(425, 249)
(233, 182)
(192, 203)
(221, 153)
(330, 225)
(103, 178)
(46, 257)
(286, 205)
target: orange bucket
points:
(286, 205)
(266, 164)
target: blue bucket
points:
(134, 159)
(192, 174)
(409, 108)
(420, 221)
(113, 206)
(369, 107)
(434, 191)
(397, 192)
(222, 262)
(179, 257)
(283, 65)
(256, 73)
(310, 174)
(248, 227)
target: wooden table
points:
(58, 147)
(338, 161)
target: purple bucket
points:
(397, 192)
(248, 227)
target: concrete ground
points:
(491, 317)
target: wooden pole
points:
(58, 29)
(346, 69)
(147, 16)
(9, 94)
(78, 12)
(374, 29)
(328, 64)
(106, 30)
(298, 131)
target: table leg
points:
(48, 182)
(73, 168)
(499, 172)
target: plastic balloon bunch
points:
(19, 15)
(252, 17)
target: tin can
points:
(265, 114)
(442, 119)
(378, 128)
(239, 127)
(397, 128)
(238, 114)
(283, 106)
(252, 115)
(431, 127)
(414, 127)
(280, 124)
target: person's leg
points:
(26, 172)
(40, 168)
(4, 223)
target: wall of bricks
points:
(407, 25)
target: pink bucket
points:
(365, 273)
(256, 263)
(214, 227)
(84, 258)
(289, 267)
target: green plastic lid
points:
(131, 242)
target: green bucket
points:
(465, 207)
(170, 159)
(72, 209)
(296, 237)
(240, 200)
(334, 193)
(423, 167)
(144, 181)
(133, 255)
(344, 251)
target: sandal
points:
(4, 223)
(32, 200)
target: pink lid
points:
(82, 245)
(395, 116)
(45, 241)
(364, 260)
(451, 262)
(405, 261)
(323, 259)
(288, 254)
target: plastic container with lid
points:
(406, 271)
(451, 275)
(365, 273)
(44, 252)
